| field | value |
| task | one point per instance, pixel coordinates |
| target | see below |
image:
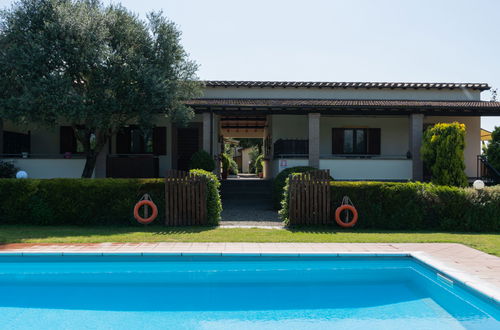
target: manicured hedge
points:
(86, 201)
(280, 182)
(214, 204)
(418, 206)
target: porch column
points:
(207, 125)
(1, 136)
(101, 162)
(313, 119)
(416, 135)
(268, 148)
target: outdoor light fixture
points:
(478, 184)
(21, 175)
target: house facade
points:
(359, 131)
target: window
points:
(356, 141)
(16, 143)
(134, 140)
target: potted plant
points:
(225, 165)
(259, 166)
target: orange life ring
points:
(346, 224)
(141, 219)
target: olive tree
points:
(93, 67)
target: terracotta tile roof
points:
(331, 105)
(318, 84)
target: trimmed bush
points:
(259, 168)
(443, 153)
(202, 160)
(418, 206)
(7, 170)
(229, 165)
(214, 204)
(87, 201)
(280, 182)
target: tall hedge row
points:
(87, 201)
(418, 206)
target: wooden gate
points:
(309, 202)
(186, 199)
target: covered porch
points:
(355, 140)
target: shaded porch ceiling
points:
(242, 126)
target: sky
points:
(330, 40)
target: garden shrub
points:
(417, 206)
(214, 204)
(493, 150)
(88, 201)
(279, 182)
(202, 160)
(7, 170)
(443, 154)
(258, 164)
(229, 165)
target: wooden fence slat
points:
(309, 198)
(185, 199)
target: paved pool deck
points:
(477, 269)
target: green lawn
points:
(489, 243)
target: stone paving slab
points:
(475, 268)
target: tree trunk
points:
(88, 170)
(84, 136)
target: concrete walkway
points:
(475, 268)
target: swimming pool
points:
(235, 292)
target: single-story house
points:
(357, 130)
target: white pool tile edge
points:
(464, 278)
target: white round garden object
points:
(478, 184)
(22, 175)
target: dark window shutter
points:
(374, 141)
(123, 141)
(160, 140)
(67, 140)
(337, 141)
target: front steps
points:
(247, 200)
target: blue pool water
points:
(234, 292)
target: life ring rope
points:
(346, 205)
(145, 201)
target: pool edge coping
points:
(462, 278)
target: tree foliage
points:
(94, 67)
(493, 150)
(443, 153)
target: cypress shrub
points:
(443, 153)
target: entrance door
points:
(188, 142)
